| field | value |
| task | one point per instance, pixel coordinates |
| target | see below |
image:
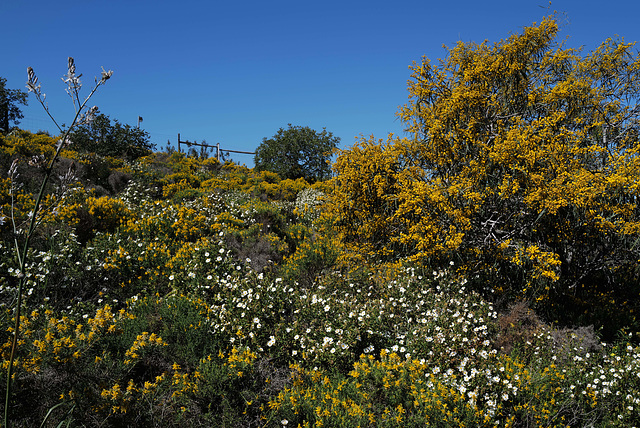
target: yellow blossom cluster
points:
(61, 340)
(142, 341)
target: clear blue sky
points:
(234, 72)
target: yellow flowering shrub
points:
(90, 214)
(143, 340)
(25, 144)
(522, 166)
(224, 181)
(190, 224)
(13, 202)
(59, 340)
(108, 213)
(258, 183)
(171, 189)
(366, 197)
(269, 184)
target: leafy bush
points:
(117, 140)
(297, 152)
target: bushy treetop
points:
(102, 137)
(297, 152)
(9, 100)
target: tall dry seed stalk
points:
(74, 85)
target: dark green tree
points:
(102, 137)
(9, 110)
(297, 152)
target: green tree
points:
(297, 152)
(102, 137)
(9, 110)
(523, 169)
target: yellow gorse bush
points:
(79, 209)
(61, 340)
(108, 213)
(523, 164)
(25, 144)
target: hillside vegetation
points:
(420, 286)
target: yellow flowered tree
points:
(522, 166)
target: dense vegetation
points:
(171, 290)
